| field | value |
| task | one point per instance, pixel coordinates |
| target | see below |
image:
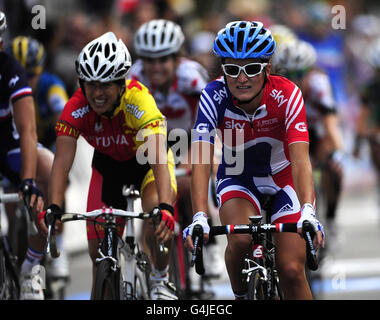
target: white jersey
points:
(319, 100)
(179, 105)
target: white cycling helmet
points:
(373, 56)
(104, 59)
(3, 23)
(294, 55)
(282, 34)
(158, 38)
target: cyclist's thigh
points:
(94, 201)
(290, 251)
(286, 207)
(237, 200)
(237, 211)
(148, 190)
(45, 163)
(229, 188)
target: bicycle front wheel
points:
(107, 283)
(142, 277)
(9, 288)
(257, 287)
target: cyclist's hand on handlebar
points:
(29, 191)
(165, 229)
(50, 215)
(308, 213)
(201, 219)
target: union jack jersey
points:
(259, 141)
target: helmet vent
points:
(108, 73)
(112, 58)
(93, 49)
(96, 62)
(106, 50)
(102, 69)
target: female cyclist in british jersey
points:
(117, 117)
(262, 122)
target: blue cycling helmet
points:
(243, 40)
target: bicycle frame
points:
(263, 259)
(130, 263)
(9, 272)
(122, 254)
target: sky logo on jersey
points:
(219, 95)
(278, 97)
(234, 125)
(79, 113)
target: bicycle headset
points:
(104, 59)
(244, 40)
(158, 38)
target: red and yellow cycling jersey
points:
(118, 136)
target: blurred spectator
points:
(368, 125)
(201, 50)
(329, 45)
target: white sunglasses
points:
(250, 69)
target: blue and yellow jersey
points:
(50, 100)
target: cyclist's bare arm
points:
(157, 157)
(331, 123)
(303, 177)
(25, 122)
(24, 117)
(159, 164)
(202, 154)
(63, 160)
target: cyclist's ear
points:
(268, 67)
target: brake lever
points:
(51, 246)
(197, 255)
(156, 217)
(311, 254)
(32, 229)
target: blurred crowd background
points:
(70, 24)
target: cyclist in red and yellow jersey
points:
(120, 119)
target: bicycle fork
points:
(128, 258)
(256, 263)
